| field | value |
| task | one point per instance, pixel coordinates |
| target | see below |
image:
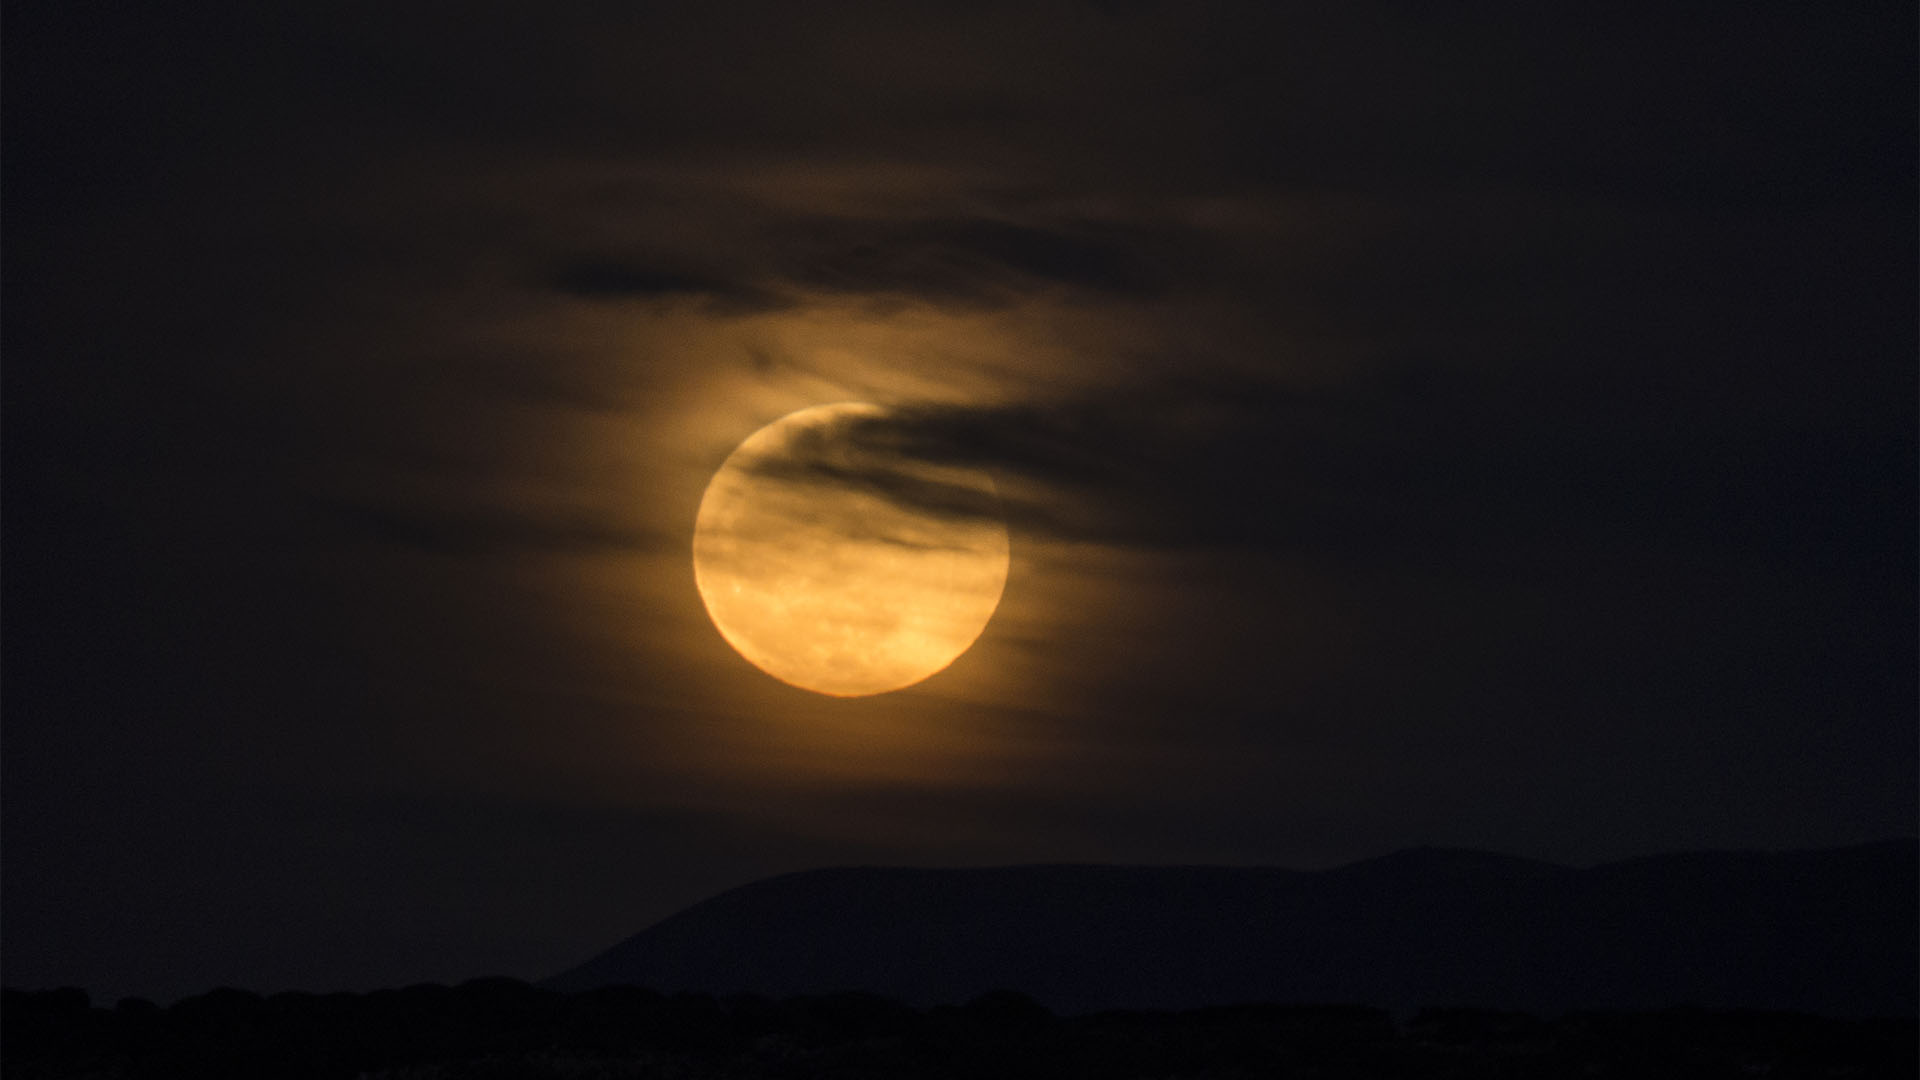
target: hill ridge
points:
(1829, 930)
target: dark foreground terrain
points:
(500, 1028)
(1832, 932)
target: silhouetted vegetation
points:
(503, 1028)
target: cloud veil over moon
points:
(839, 587)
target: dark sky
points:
(1488, 425)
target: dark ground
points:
(499, 1028)
(1831, 933)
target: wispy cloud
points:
(482, 527)
(613, 279)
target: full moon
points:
(842, 569)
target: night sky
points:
(1485, 425)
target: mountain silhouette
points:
(1830, 932)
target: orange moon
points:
(818, 570)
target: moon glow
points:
(841, 571)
